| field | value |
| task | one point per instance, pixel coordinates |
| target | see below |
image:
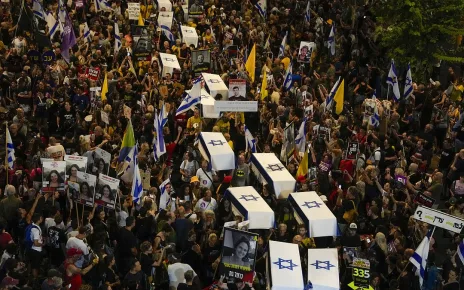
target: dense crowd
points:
(52, 109)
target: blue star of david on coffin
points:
(325, 265)
(311, 204)
(216, 142)
(275, 167)
(290, 265)
(248, 197)
(214, 81)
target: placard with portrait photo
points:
(201, 61)
(53, 175)
(237, 90)
(305, 51)
(195, 8)
(238, 255)
(98, 161)
(74, 164)
(86, 188)
(106, 191)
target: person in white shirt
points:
(77, 242)
(205, 176)
(35, 252)
(176, 271)
(207, 202)
(188, 168)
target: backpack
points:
(28, 240)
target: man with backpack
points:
(34, 243)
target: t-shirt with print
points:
(190, 167)
(56, 237)
(205, 177)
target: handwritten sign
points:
(133, 9)
(439, 219)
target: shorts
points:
(35, 258)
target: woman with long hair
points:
(72, 173)
(54, 179)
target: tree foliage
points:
(420, 32)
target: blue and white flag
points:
(408, 83)
(331, 41)
(300, 140)
(282, 46)
(308, 12)
(159, 147)
(330, 98)
(167, 31)
(288, 81)
(117, 39)
(419, 258)
(10, 149)
(38, 10)
(137, 187)
(102, 5)
(392, 80)
(261, 5)
(192, 98)
(86, 32)
(250, 141)
(374, 120)
(460, 251)
(165, 198)
(53, 25)
(126, 173)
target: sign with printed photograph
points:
(53, 176)
(237, 90)
(312, 174)
(133, 9)
(196, 8)
(201, 61)
(106, 191)
(83, 190)
(304, 54)
(74, 164)
(352, 150)
(238, 255)
(98, 161)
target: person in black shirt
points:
(66, 119)
(127, 245)
(351, 238)
(56, 242)
(135, 279)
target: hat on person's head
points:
(73, 252)
(301, 179)
(194, 179)
(53, 273)
(227, 179)
(353, 226)
(324, 198)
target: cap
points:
(213, 7)
(73, 252)
(194, 179)
(324, 198)
(227, 179)
(353, 226)
(53, 273)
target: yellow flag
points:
(303, 167)
(141, 22)
(104, 88)
(251, 63)
(264, 85)
(339, 98)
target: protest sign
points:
(352, 150)
(83, 191)
(133, 9)
(74, 164)
(93, 73)
(106, 191)
(361, 272)
(424, 200)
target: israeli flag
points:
(168, 33)
(159, 147)
(300, 140)
(137, 188)
(250, 141)
(117, 39)
(282, 46)
(165, 198)
(192, 98)
(38, 10)
(53, 25)
(308, 13)
(163, 116)
(261, 5)
(288, 81)
(102, 5)
(408, 83)
(330, 98)
(392, 80)
(10, 149)
(331, 41)
(460, 251)
(86, 32)
(419, 258)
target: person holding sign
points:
(240, 255)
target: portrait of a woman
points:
(72, 173)
(85, 192)
(99, 167)
(106, 194)
(240, 255)
(54, 179)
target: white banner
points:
(133, 9)
(164, 5)
(165, 18)
(236, 106)
(439, 219)
(189, 35)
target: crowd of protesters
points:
(51, 107)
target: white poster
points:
(104, 117)
(165, 18)
(53, 175)
(74, 164)
(304, 54)
(237, 90)
(107, 191)
(83, 191)
(98, 161)
(439, 219)
(133, 9)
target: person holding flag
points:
(392, 80)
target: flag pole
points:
(6, 152)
